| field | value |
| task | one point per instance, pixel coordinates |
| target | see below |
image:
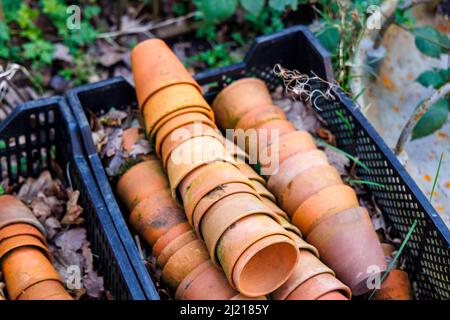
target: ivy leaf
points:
(218, 10)
(434, 78)
(253, 7)
(433, 120)
(280, 5)
(431, 42)
(330, 38)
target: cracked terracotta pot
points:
(260, 115)
(315, 287)
(206, 282)
(174, 246)
(155, 66)
(238, 98)
(184, 261)
(307, 267)
(20, 229)
(198, 183)
(168, 237)
(24, 267)
(192, 154)
(45, 290)
(395, 287)
(277, 210)
(215, 195)
(155, 216)
(327, 202)
(334, 295)
(241, 235)
(184, 134)
(189, 118)
(9, 245)
(224, 213)
(294, 165)
(306, 184)
(13, 211)
(130, 188)
(249, 172)
(284, 147)
(350, 234)
(265, 265)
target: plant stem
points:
(436, 176)
(418, 114)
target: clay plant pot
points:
(395, 287)
(284, 147)
(292, 166)
(21, 229)
(237, 99)
(13, 211)
(205, 179)
(192, 154)
(235, 151)
(265, 265)
(174, 246)
(262, 191)
(317, 286)
(348, 244)
(9, 245)
(241, 236)
(225, 213)
(129, 138)
(276, 209)
(178, 122)
(155, 216)
(242, 297)
(334, 295)
(215, 195)
(249, 172)
(307, 267)
(130, 187)
(206, 282)
(45, 290)
(155, 66)
(326, 202)
(303, 245)
(306, 184)
(260, 115)
(184, 261)
(24, 267)
(185, 133)
(168, 237)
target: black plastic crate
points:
(44, 130)
(427, 251)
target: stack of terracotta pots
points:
(326, 211)
(24, 257)
(241, 233)
(157, 218)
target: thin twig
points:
(418, 114)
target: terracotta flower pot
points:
(287, 145)
(183, 134)
(129, 138)
(174, 246)
(307, 267)
(20, 229)
(303, 245)
(9, 245)
(265, 265)
(241, 236)
(205, 179)
(192, 154)
(24, 267)
(350, 234)
(260, 115)
(334, 295)
(238, 98)
(217, 194)
(317, 286)
(155, 66)
(326, 202)
(235, 151)
(249, 172)
(206, 282)
(13, 211)
(45, 290)
(307, 184)
(130, 188)
(168, 237)
(155, 216)
(395, 287)
(225, 213)
(190, 118)
(262, 191)
(184, 261)
(242, 297)
(292, 166)
(277, 210)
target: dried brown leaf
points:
(73, 210)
